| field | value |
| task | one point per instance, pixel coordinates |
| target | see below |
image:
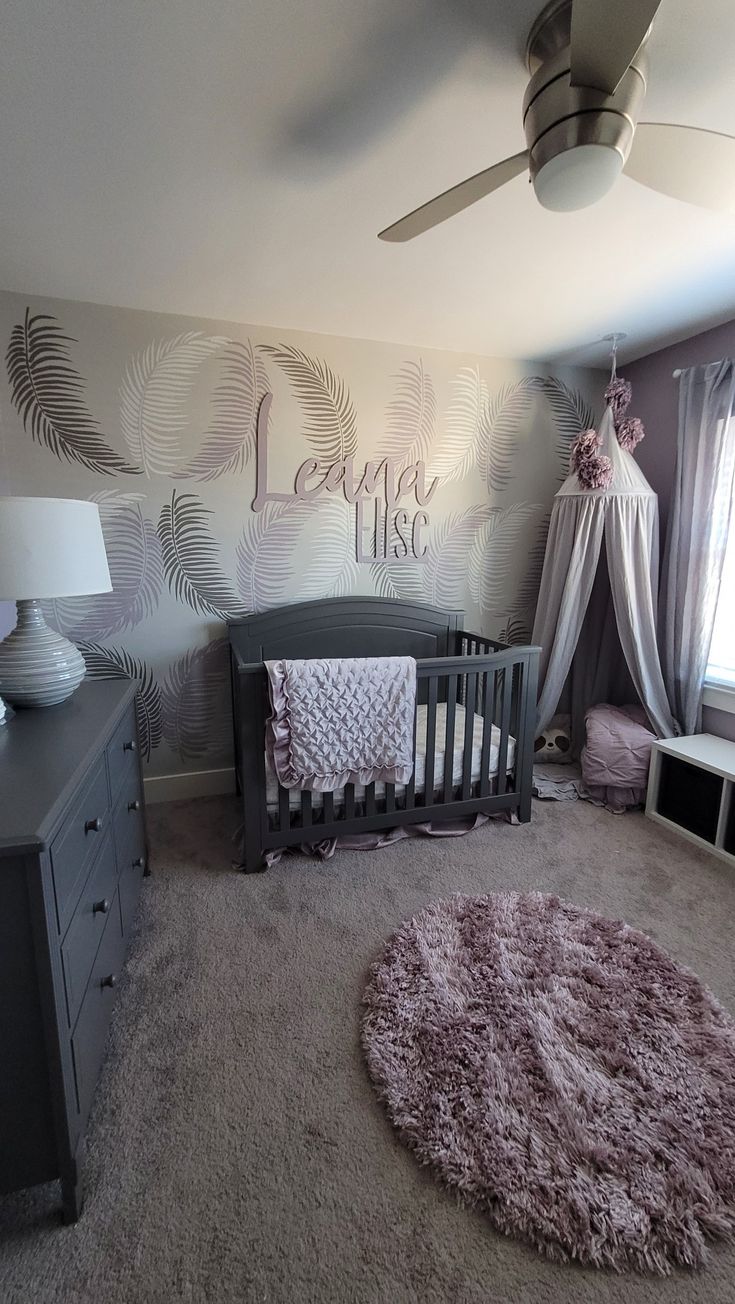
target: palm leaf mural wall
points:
(572, 414)
(49, 395)
(465, 429)
(116, 663)
(197, 703)
(230, 439)
(185, 404)
(136, 572)
(492, 559)
(273, 543)
(411, 416)
(527, 592)
(515, 632)
(439, 578)
(191, 558)
(155, 398)
(330, 421)
(266, 551)
(508, 416)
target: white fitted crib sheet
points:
(294, 796)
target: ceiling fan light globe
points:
(577, 177)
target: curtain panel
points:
(696, 538)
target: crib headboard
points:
(345, 627)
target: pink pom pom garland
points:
(618, 395)
(630, 433)
(597, 473)
(593, 468)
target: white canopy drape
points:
(625, 517)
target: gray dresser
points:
(72, 858)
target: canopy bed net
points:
(595, 620)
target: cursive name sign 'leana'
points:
(383, 528)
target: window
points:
(721, 668)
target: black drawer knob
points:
(93, 826)
(133, 805)
(139, 862)
(110, 980)
(101, 907)
(130, 747)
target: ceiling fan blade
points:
(606, 38)
(454, 200)
(686, 163)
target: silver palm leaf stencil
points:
(410, 419)
(230, 439)
(465, 428)
(191, 558)
(116, 663)
(155, 397)
(329, 417)
(197, 705)
(49, 395)
(136, 571)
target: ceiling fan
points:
(588, 65)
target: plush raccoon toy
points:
(554, 744)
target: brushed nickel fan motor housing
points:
(558, 116)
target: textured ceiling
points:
(235, 160)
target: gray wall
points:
(154, 416)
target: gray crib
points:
(474, 729)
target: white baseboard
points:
(197, 783)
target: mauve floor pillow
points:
(559, 1071)
(617, 754)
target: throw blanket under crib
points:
(348, 720)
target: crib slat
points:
(506, 695)
(449, 736)
(488, 698)
(349, 801)
(306, 805)
(410, 793)
(284, 814)
(390, 798)
(469, 726)
(328, 799)
(430, 740)
(370, 799)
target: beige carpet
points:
(236, 1151)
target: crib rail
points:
(487, 680)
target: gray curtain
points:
(572, 553)
(697, 534)
(631, 529)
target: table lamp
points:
(49, 548)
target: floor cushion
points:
(616, 755)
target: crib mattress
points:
(294, 797)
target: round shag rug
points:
(561, 1072)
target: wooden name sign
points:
(392, 532)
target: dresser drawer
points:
(122, 750)
(73, 848)
(90, 1033)
(84, 933)
(129, 817)
(131, 877)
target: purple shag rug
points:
(559, 1071)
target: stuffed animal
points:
(555, 744)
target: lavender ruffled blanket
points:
(348, 720)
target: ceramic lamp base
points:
(38, 666)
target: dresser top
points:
(44, 752)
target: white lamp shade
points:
(51, 548)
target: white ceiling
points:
(235, 159)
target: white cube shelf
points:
(691, 789)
